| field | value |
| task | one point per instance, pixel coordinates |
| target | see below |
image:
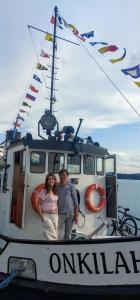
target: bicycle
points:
(125, 225)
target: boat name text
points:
(93, 263)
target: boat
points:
(92, 262)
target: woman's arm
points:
(39, 210)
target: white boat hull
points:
(86, 266)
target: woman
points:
(48, 209)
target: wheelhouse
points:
(27, 163)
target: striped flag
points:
(30, 97)
(111, 48)
(41, 67)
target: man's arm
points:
(75, 203)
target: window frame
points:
(101, 173)
(54, 171)
(78, 165)
(38, 152)
(93, 157)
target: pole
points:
(53, 61)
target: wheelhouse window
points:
(74, 163)
(100, 166)
(110, 165)
(88, 164)
(37, 162)
(55, 162)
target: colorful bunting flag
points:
(115, 60)
(23, 111)
(49, 37)
(96, 43)
(30, 97)
(17, 125)
(57, 22)
(37, 78)
(133, 72)
(72, 27)
(111, 48)
(33, 88)
(20, 118)
(44, 54)
(41, 67)
(137, 83)
(26, 104)
(87, 34)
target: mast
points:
(53, 61)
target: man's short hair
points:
(63, 171)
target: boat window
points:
(88, 164)
(100, 165)
(110, 165)
(55, 162)
(23, 162)
(74, 163)
(37, 162)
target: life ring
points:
(35, 196)
(89, 203)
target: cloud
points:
(128, 162)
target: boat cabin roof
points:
(61, 146)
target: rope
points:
(92, 57)
(120, 92)
(10, 278)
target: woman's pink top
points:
(48, 203)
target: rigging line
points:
(120, 92)
(37, 56)
(15, 117)
(129, 103)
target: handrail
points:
(126, 214)
(131, 216)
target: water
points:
(129, 195)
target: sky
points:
(85, 88)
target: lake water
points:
(129, 195)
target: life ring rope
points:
(90, 203)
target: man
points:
(67, 205)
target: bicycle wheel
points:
(129, 227)
(114, 228)
(111, 227)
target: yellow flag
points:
(137, 83)
(49, 37)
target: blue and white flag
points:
(87, 34)
(37, 78)
(133, 72)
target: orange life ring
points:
(89, 203)
(35, 196)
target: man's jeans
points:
(65, 222)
